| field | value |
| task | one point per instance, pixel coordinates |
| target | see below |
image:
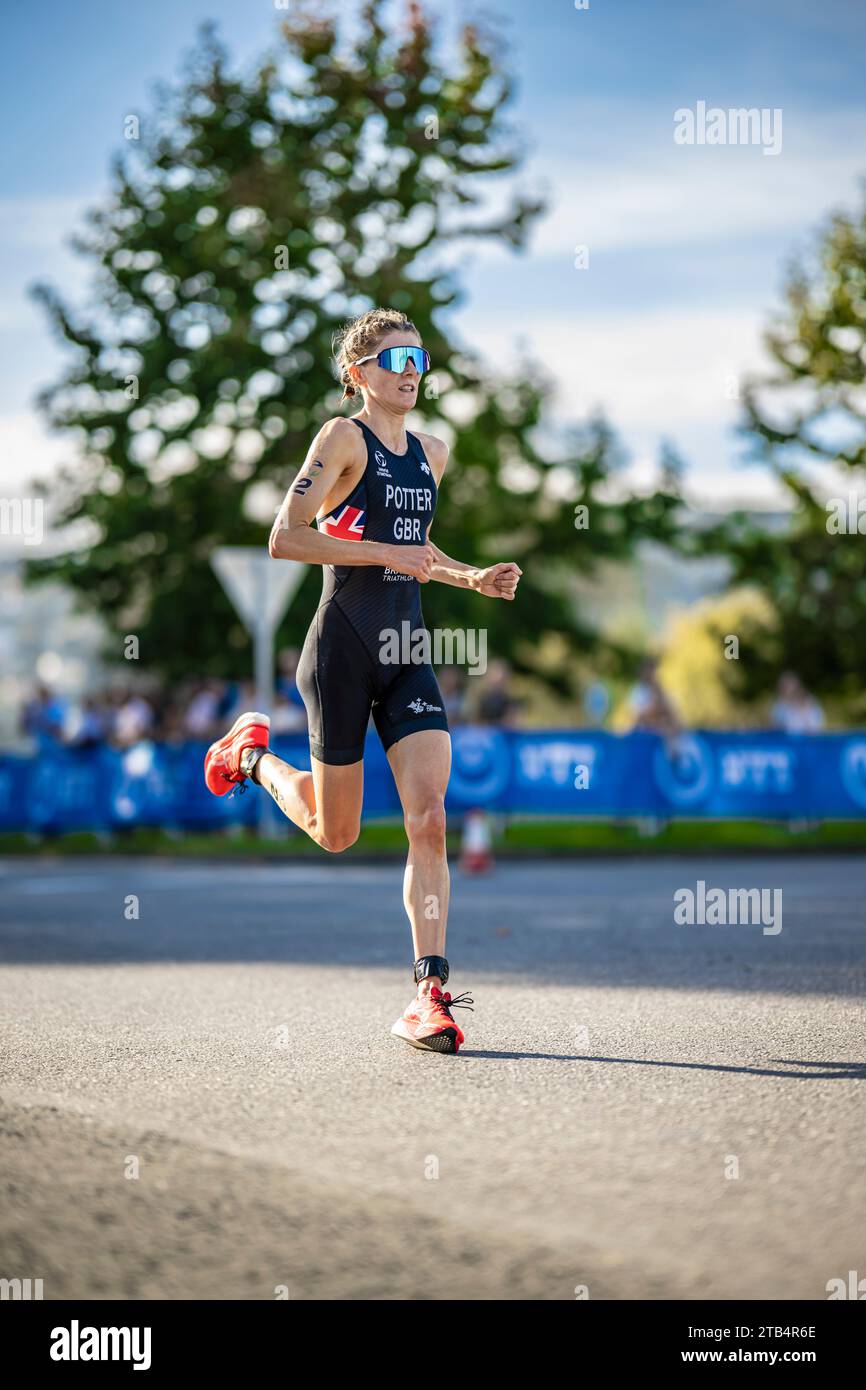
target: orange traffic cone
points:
(476, 852)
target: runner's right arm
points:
(334, 453)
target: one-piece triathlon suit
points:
(368, 612)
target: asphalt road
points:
(205, 1102)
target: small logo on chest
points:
(382, 470)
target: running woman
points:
(371, 487)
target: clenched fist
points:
(498, 581)
(417, 560)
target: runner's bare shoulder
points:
(436, 452)
(343, 442)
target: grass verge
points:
(517, 839)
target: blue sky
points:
(687, 245)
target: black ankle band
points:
(426, 966)
(249, 762)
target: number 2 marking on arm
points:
(306, 483)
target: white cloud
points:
(27, 453)
(667, 370)
(34, 246)
(41, 224)
(621, 183)
(688, 197)
(655, 371)
(658, 374)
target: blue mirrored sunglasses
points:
(394, 359)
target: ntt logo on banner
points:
(684, 770)
(853, 770)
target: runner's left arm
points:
(494, 581)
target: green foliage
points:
(807, 416)
(254, 216)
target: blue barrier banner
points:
(553, 772)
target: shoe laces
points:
(460, 1001)
(238, 784)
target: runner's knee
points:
(336, 838)
(425, 824)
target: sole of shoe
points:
(251, 716)
(446, 1041)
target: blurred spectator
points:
(650, 706)
(596, 702)
(228, 694)
(286, 716)
(496, 703)
(795, 711)
(87, 727)
(452, 683)
(171, 725)
(245, 698)
(654, 713)
(201, 717)
(44, 716)
(134, 719)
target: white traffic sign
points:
(260, 588)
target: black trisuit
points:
(341, 674)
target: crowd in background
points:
(794, 709)
(123, 715)
(204, 709)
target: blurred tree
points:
(693, 664)
(807, 421)
(252, 218)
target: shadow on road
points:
(850, 1071)
(604, 926)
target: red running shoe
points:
(222, 764)
(429, 1023)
